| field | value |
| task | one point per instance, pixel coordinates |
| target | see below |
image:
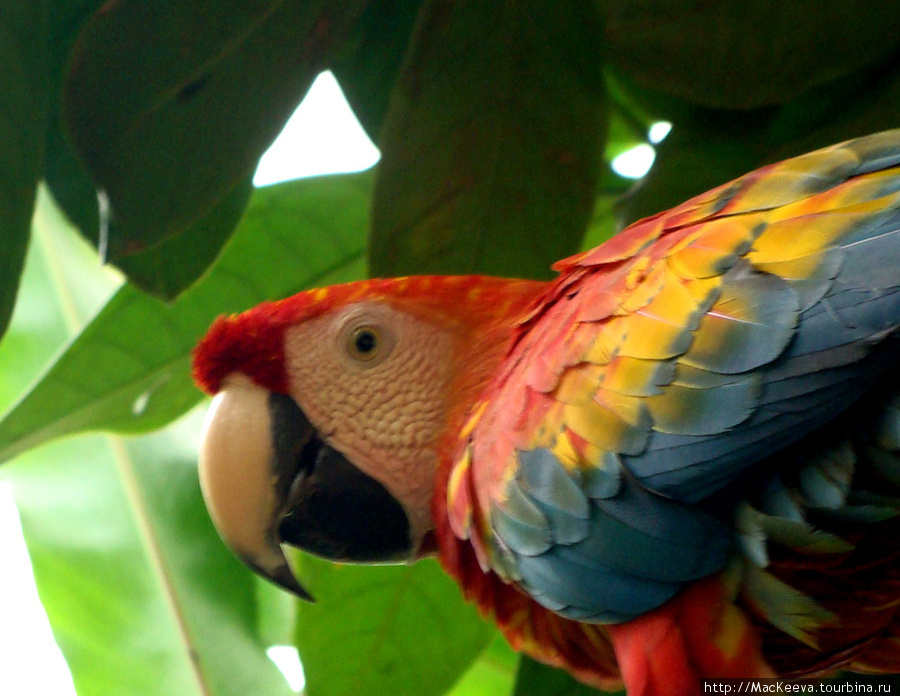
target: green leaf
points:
(492, 674)
(694, 159)
(603, 222)
(711, 147)
(62, 285)
(867, 104)
(171, 105)
(23, 117)
(71, 187)
(624, 133)
(142, 596)
(129, 369)
(536, 679)
(491, 148)
(368, 67)
(167, 268)
(742, 55)
(170, 267)
(399, 630)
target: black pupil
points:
(365, 342)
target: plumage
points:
(680, 459)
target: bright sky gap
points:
(636, 162)
(322, 137)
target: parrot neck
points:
(488, 317)
(496, 314)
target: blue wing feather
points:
(609, 542)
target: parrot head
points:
(329, 409)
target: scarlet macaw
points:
(678, 460)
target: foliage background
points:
(496, 121)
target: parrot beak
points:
(238, 482)
(269, 479)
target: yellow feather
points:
(646, 292)
(632, 376)
(789, 239)
(605, 343)
(565, 452)
(794, 269)
(603, 427)
(579, 384)
(674, 304)
(646, 337)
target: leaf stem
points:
(150, 543)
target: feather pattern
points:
(697, 348)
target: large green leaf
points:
(23, 115)
(71, 187)
(712, 147)
(167, 268)
(741, 55)
(370, 62)
(170, 267)
(492, 674)
(142, 596)
(63, 285)
(399, 630)
(492, 144)
(128, 370)
(170, 105)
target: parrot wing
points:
(664, 364)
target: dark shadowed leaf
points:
(169, 267)
(129, 369)
(867, 105)
(71, 187)
(399, 630)
(712, 147)
(536, 679)
(172, 265)
(741, 55)
(370, 61)
(171, 105)
(692, 160)
(493, 139)
(23, 117)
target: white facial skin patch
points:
(383, 412)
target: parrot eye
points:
(364, 338)
(364, 343)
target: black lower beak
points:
(327, 506)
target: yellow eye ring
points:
(364, 343)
